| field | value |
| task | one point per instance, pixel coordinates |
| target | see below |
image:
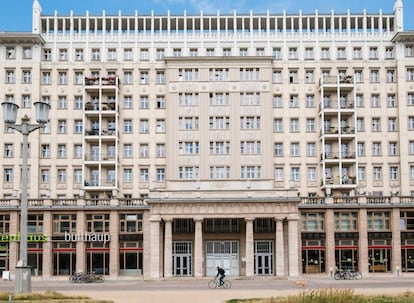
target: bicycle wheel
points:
(227, 284)
(358, 275)
(337, 276)
(212, 284)
(72, 279)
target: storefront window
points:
(346, 221)
(64, 258)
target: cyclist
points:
(221, 272)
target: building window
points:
(144, 77)
(96, 54)
(377, 173)
(143, 102)
(79, 55)
(128, 54)
(97, 223)
(160, 77)
(8, 175)
(160, 53)
(376, 124)
(410, 74)
(312, 222)
(61, 151)
(45, 151)
(295, 174)
(128, 78)
(278, 125)
(160, 150)
(27, 76)
(393, 173)
(378, 221)
(279, 174)
(345, 221)
(77, 151)
(376, 149)
(294, 125)
(310, 149)
(374, 76)
(143, 126)
(250, 172)
(63, 54)
(411, 123)
(278, 149)
(128, 126)
(44, 176)
(128, 177)
(144, 150)
(61, 176)
(373, 53)
(130, 223)
(10, 77)
(293, 53)
(46, 54)
(277, 53)
(128, 152)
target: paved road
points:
(196, 291)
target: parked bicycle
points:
(82, 277)
(347, 275)
(215, 283)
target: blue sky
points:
(17, 15)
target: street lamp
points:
(23, 274)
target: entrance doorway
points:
(182, 258)
(224, 254)
(263, 257)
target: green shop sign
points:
(16, 238)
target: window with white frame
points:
(325, 53)
(219, 172)
(278, 149)
(77, 151)
(188, 172)
(160, 174)
(62, 127)
(128, 54)
(310, 125)
(62, 102)
(62, 151)
(128, 77)
(310, 149)
(376, 148)
(376, 124)
(294, 149)
(46, 54)
(293, 76)
(243, 52)
(78, 78)
(311, 174)
(128, 126)
(250, 172)
(361, 149)
(177, 52)
(294, 101)
(160, 150)
(410, 123)
(188, 123)
(277, 101)
(160, 77)
(96, 54)
(389, 52)
(112, 54)
(358, 76)
(10, 76)
(377, 173)
(310, 101)
(393, 173)
(249, 74)
(277, 53)
(373, 53)
(219, 74)
(144, 174)
(127, 175)
(144, 150)
(249, 98)
(188, 99)
(293, 53)
(392, 124)
(144, 77)
(8, 150)
(61, 172)
(278, 174)
(219, 122)
(375, 101)
(127, 150)
(45, 151)
(219, 147)
(26, 101)
(194, 52)
(278, 125)
(78, 127)
(128, 102)
(374, 76)
(250, 147)
(159, 54)
(357, 53)
(295, 173)
(144, 126)
(63, 54)
(341, 53)
(27, 76)
(294, 125)
(44, 175)
(46, 78)
(143, 102)
(361, 173)
(390, 76)
(79, 54)
(391, 101)
(309, 76)
(309, 53)
(410, 74)
(160, 102)
(393, 148)
(160, 126)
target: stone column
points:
(80, 245)
(249, 247)
(279, 249)
(293, 247)
(155, 247)
(363, 242)
(396, 242)
(47, 246)
(330, 243)
(14, 245)
(114, 244)
(168, 268)
(198, 248)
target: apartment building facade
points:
(269, 144)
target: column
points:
(13, 245)
(168, 268)
(279, 249)
(330, 242)
(114, 244)
(249, 247)
(293, 247)
(363, 243)
(80, 245)
(396, 242)
(47, 246)
(198, 248)
(155, 248)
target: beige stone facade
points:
(269, 144)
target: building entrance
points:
(182, 258)
(263, 258)
(224, 254)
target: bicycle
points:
(215, 283)
(347, 275)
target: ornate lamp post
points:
(23, 274)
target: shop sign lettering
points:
(87, 237)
